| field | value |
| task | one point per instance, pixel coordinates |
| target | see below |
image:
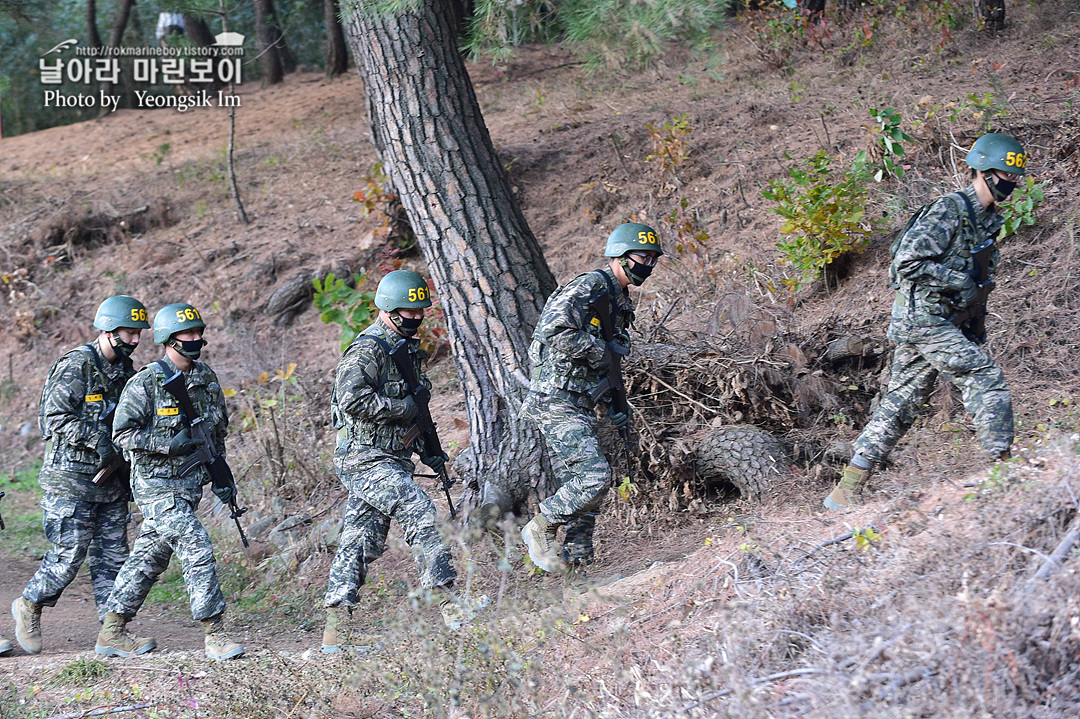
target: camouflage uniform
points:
(147, 419)
(375, 466)
(81, 519)
(568, 360)
(930, 268)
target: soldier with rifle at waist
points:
(579, 340)
(154, 429)
(379, 407)
(941, 268)
(85, 500)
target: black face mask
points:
(192, 349)
(999, 188)
(407, 326)
(636, 272)
(122, 349)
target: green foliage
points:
(82, 671)
(670, 141)
(865, 537)
(985, 109)
(607, 32)
(824, 209)
(889, 137)
(374, 197)
(353, 308)
(1020, 209)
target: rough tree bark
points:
(337, 56)
(288, 60)
(197, 31)
(489, 272)
(269, 56)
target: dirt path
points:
(71, 626)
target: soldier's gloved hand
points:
(619, 346)
(435, 461)
(619, 419)
(408, 409)
(183, 444)
(968, 293)
(226, 494)
(106, 451)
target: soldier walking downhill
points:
(568, 358)
(373, 412)
(82, 519)
(153, 433)
(934, 273)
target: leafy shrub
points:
(1020, 210)
(824, 209)
(607, 32)
(669, 141)
(353, 308)
(889, 138)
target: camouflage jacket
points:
(81, 388)
(933, 261)
(368, 401)
(147, 419)
(567, 352)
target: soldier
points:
(82, 519)
(934, 273)
(373, 413)
(568, 358)
(151, 431)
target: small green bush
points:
(1020, 209)
(824, 208)
(353, 308)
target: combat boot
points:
(27, 625)
(539, 537)
(114, 640)
(218, 645)
(843, 495)
(457, 611)
(336, 616)
(5, 645)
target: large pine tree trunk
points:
(116, 36)
(288, 60)
(488, 269)
(337, 56)
(269, 57)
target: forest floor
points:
(700, 603)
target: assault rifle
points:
(613, 380)
(424, 427)
(117, 463)
(204, 454)
(975, 315)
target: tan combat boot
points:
(218, 645)
(458, 610)
(5, 645)
(114, 640)
(544, 550)
(27, 625)
(331, 643)
(843, 496)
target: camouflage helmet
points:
(997, 152)
(402, 288)
(121, 311)
(632, 237)
(174, 318)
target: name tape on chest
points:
(168, 411)
(94, 397)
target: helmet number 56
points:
(417, 294)
(1015, 159)
(647, 238)
(189, 314)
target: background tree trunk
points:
(197, 31)
(489, 272)
(116, 36)
(337, 56)
(92, 36)
(288, 60)
(269, 57)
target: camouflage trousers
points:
(569, 432)
(80, 530)
(941, 350)
(173, 530)
(385, 490)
